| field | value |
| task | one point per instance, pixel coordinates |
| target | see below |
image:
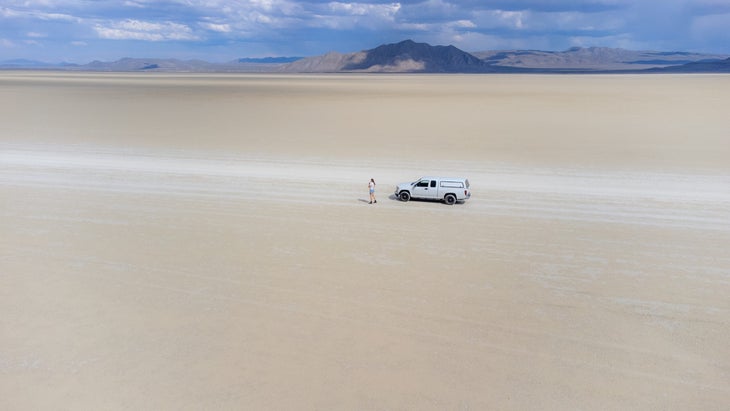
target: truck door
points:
(425, 189)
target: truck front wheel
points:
(404, 196)
(450, 199)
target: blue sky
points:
(80, 31)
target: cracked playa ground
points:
(239, 273)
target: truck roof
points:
(442, 178)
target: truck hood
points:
(404, 186)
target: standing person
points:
(371, 187)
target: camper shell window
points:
(452, 184)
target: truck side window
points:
(422, 183)
(433, 183)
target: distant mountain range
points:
(411, 57)
(592, 58)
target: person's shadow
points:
(365, 200)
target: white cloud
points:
(263, 4)
(9, 13)
(36, 34)
(54, 16)
(380, 11)
(220, 28)
(79, 43)
(465, 24)
(134, 4)
(339, 15)
(34, 14)
(143, 30)
(511, 18)
(352, 9)
(43, 3)
(6, 43)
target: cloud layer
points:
(75, 30)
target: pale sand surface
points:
(204, 242)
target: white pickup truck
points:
(448, 189)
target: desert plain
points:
(201, 241)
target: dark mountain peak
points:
(411, 56)
(403, 44)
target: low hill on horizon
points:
(591, 58)
(128, 64)
(722, 66)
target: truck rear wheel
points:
(404, 196)
(450, 199)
